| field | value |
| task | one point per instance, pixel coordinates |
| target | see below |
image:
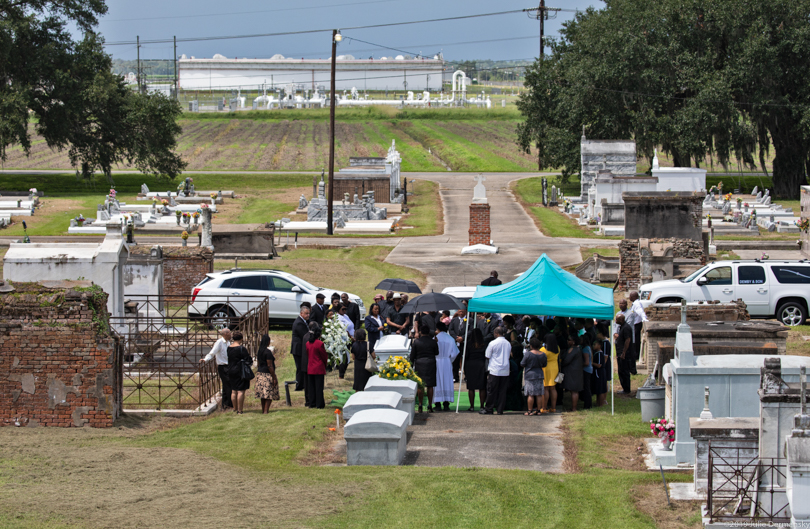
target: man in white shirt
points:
(624, 311)
(639, 317)
(498, 352)
(220, 352)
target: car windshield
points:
(694, 275)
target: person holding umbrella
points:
(397, 319)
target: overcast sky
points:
(511, 36)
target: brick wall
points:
(732, 311)
(185, 267)
(479, 224)
(59, 364)
(630, 257)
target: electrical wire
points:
(249, 12)
(310, 31)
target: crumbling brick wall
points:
(59, 363)
(711, 311)
(184, 267)
(630, 257)
(479, 224)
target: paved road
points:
(512, 440)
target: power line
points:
(310, 31)
(248, 12)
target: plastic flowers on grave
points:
(663, 428)
(164, 202)
(398, 368)
(178, 212)
(739, 200)
(203, 206)
(213, 195)
(184, 235)
(80, 217)
(803, 224)
(196, 214)
(112, 193)
(185, 215)
(727, 197)
(335, 340)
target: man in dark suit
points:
(319, 310)
(460, 332)
(352, 310)
(487, 324)
(297, 350)
(492, 280)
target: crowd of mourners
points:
(515, 362)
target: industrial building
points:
(386, 73)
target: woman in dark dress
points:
(374, 326)
(424, 351)
(475, 368)
(266, 381)
(238, 355)
(360, 354)
(571, 364)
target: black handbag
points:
(247, 372)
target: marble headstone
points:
(479, 191)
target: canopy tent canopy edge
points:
(545, 289)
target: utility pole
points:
(541, 13)
(336, 37)
(176, 81)
(138, 68)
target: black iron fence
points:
(164, 337)
(745, 488)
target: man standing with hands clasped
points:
(300, 328)
(498, 352)
(220, 352)
(624, 352)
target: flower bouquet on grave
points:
(184, 236)
(196, 216)
(80, 220)
(664, 430)
(186, 218)
(398, 368)
(335, 340)
(803, 224)
(203, 206)
(177, 214)
(112, 193)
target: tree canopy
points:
(75, 100)
(722, 78)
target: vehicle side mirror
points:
(296, 288)
(702, 281)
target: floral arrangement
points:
(739, 200)
(803, 224)
(178, 212)
(32, 190)
(203, 206)
(728, 197)
(80, 217)
(164, 202)
(663, 428)
(335, 340)
(398, 368)
(213, 195)
(112, 193)
(184, 235)
(196, 214)
(720, 186)
(185, 215)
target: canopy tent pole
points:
(612, 365)
(463, 358)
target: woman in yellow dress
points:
(550, 373)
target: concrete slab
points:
(467, 439)
(772, 254)
(684, 492)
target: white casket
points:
(392, 345)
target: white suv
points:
(779, 289)
(285, 293)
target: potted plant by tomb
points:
(664, 430)
(184, 236)
(177, 214)
(80, 220)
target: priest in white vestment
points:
(448, 351)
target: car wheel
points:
(791, 314)
(221, 317)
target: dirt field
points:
(257, 145)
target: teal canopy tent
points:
(545, 289)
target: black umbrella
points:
(433, 302)
(399, 285)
